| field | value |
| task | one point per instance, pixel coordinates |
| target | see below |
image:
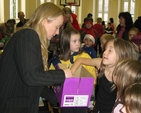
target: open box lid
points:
(80, 72)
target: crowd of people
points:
(29, 64)
(8, 28)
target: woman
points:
(23, 64)
(126, 23)
(70, 19)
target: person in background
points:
(89, 15)
(22, 21)
(103, 39)
(126, 23)
(109, 29)
(111, 20)
(132, 33)
(98, 27)
(67, 15)
(5, 28)
(132, 98)
(23, 64)
(88, 29)
(115, 50)
(133, 74)
(137, 23)
(70, 19)
(89, 40)
(103, 24)
(100, 31)
(74, 21)
(70, 51)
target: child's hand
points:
(136, 48)
(68, 73)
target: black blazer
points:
(21, 74)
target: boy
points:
(89, 42)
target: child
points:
(133, 74)
(88, 29)
(115, 50)
(103, 39)
(69, 51)
(132, 99)
(89, 40)
(131, 34)
(109, 29)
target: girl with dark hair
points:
(70, 50)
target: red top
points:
(99, 29)
(75, 22)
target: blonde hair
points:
(67, 10)
(127, 72)
(132, 98)
(47, 11)
(104, 38)
(99, 20)
(134, 29)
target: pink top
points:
(118, 106)
(121, 32)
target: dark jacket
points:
(21, 24)
(137, 23)
(90, 50)
(22, 77)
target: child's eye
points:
(110, 50)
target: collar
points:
(71, 57)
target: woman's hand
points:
(68, 73)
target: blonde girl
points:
(131, 34)
(132, 99)
(126, 72)
(103, 39)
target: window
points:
(103, 9)
(43, 1)
(126, 5)
(73, 9)
(129, 5)
(13, 8)
(132, 7)
(100, 7)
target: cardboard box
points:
(77, 91)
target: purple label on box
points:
(69, 99)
